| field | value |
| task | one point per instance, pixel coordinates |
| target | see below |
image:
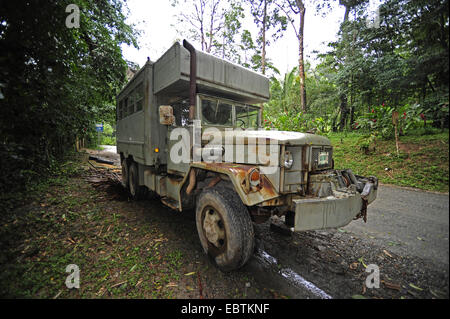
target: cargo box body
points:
(162, 82)
(215, 77)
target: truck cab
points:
(189, 130)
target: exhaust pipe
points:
(192, 79)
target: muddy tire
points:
(137, 192)
(125, 175)
(224, 227)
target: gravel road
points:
(412, 222)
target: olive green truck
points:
(189, 130)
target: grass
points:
(123, 248)
(70, 222)
(423, 160)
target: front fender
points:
(238, 175)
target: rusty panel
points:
(166, 115)
(237, 173)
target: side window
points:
(131, 103)
(125, 107)
(119, 110)
(139, 96)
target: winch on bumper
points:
(337, 197)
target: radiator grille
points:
(318, 150)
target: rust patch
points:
(240, 173)
(214, 182)
(267, 188)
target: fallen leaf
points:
(57, 295)
(133, 268)
(361, 260)
(392, 243)
(391, 285)
(435, 294)
(353, 266)
(171, 284)
(139, 282)
(190, 273)
(387, 253)
(415, 287)
(101, 292)
(119, 284)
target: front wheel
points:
(224, 227)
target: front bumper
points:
(339, 197)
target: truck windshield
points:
(215, 112)
(247, 116)
(218, 112)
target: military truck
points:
(209, 109)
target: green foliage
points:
(402, 61)
(379, 119)
(108, 137)
(56, 81)
(423, 160)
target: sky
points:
(156, 19)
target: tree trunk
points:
(203, 37)
(263, 51)
(343, 96)
(344, 111)
(301, 68)
(352, 107)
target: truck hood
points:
(279, 137)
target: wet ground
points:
(405, 238)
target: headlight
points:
(288, 160)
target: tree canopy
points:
(56, 81)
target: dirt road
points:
(413, 222)
(406, 237)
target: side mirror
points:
(166, 115)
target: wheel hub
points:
(213, 227)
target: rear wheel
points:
(125, 177)
(224, 227)
(136, 191)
